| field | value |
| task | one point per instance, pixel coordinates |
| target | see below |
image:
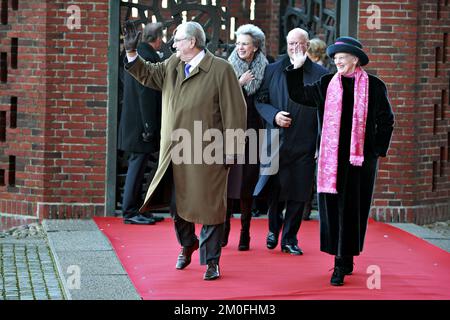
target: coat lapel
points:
(204, 65)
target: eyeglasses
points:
(244, 44)
(178, 40)
(292, 44)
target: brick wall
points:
(23, 90)
(76, 110)
(268, 20)
(52, 157)
(410, 53)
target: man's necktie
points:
(186, 69)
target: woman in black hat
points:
(356, 128)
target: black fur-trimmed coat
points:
(344, 216)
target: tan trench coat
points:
(211, 94)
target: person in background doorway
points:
(139, 126)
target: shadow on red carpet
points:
(410, 268)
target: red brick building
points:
(59, 90)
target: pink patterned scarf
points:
(329, 145)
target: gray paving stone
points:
(92, 262)
(443, 244)
(10, 281)
(23, 241)
(100, 287)
(418, 231)
(69, 225)
(426, 234)
(24, 284)
(78, 240)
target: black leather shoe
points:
(292, 249)
(152, 216)
(224, 243)
(212, 272)
(337, 278)
(272, 240)
(256, 213)
(184, 258)
(139, 219)
(307, 211)
(226, 233)
(244, 241)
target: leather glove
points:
(146, 136)
(131, 36)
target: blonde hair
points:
(317, 49)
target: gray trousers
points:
(210, 235)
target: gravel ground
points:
(29, 231)
(441, 227)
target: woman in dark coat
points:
(357, 124)
(249, 63)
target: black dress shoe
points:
(226, 233)
(244, 241)
(139, 219)
(256, 213)
(307, 211)
(224, 243)
(152, 216)
(272, 240)
(292, 249)
(184, 258)
(212, 272)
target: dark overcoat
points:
(141, 110)
(297, 144)
(344, 216)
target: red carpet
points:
(410, 268)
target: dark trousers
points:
(292, 217)
(210, 235)
(132, 194)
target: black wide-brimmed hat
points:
(348, 45)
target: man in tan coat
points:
(200, 96)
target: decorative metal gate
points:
(319, 17)
(214, 19)
(327, 19)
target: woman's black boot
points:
(348, 265)
(337, 278)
